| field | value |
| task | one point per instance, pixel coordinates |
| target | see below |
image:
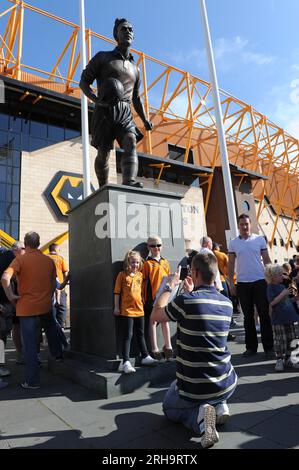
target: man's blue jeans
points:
(183, 411)
(29, 331)
(60, 309)
(180, 411)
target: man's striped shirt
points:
(204, 370)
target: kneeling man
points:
(205, 377)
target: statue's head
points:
(123, 32)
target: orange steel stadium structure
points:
(180, 106)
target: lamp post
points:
(229, 196)
(84, 109)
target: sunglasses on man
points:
(155, 246)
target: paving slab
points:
(283, 428)
(63, 415)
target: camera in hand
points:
(184, 272)
(289, 282)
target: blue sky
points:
(255, 43)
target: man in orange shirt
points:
(61, 272)
(222, 259)
(36, 278)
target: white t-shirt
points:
(218, 283)
(250, 267)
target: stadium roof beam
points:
(183, 113)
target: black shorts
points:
(113, 123)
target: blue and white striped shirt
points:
(204, 370)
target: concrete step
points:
(112, 383)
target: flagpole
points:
(84, 109)
(229, 196)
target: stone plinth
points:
(102, 229)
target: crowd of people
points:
(202, 303)
(30, 296)
(201, 297)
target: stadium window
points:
(25, 127)
(16, 158)
(275, 242)
(71, 134)
(56, 131)
(15, 194)
(3, 171)
(36, 144)
(14, 230)
(178, 153)
(14, 141)
(10, 192)
(2, 191)
(4, 121)
(281, 242)
(25, 142)
(15, 124)
(14, 212)
(38, 129)
(3, 138)
(246, 206)
(291, 244)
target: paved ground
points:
(264, 408)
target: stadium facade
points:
(41, 151)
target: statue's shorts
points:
(112, 123)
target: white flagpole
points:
(230, 202)
(84, 109)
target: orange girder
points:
(183, 115)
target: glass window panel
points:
(9, 175)
(3, 138)
(15, 230)
(2, 210)
(56, 133)
(14, 140)
(8, 192)
(25, 126)
(14, 211)
(25, 142)
(71, 134)
(15, 193)
(16, 175)
(2, 224)
(36, 144)
(7, 228)
(3, 171)
(5, 156)
(15, 124)
(38, 129)
(2, 192)
(4, 121)
(16, 158)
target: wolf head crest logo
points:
(71, 194)
(64, 193)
